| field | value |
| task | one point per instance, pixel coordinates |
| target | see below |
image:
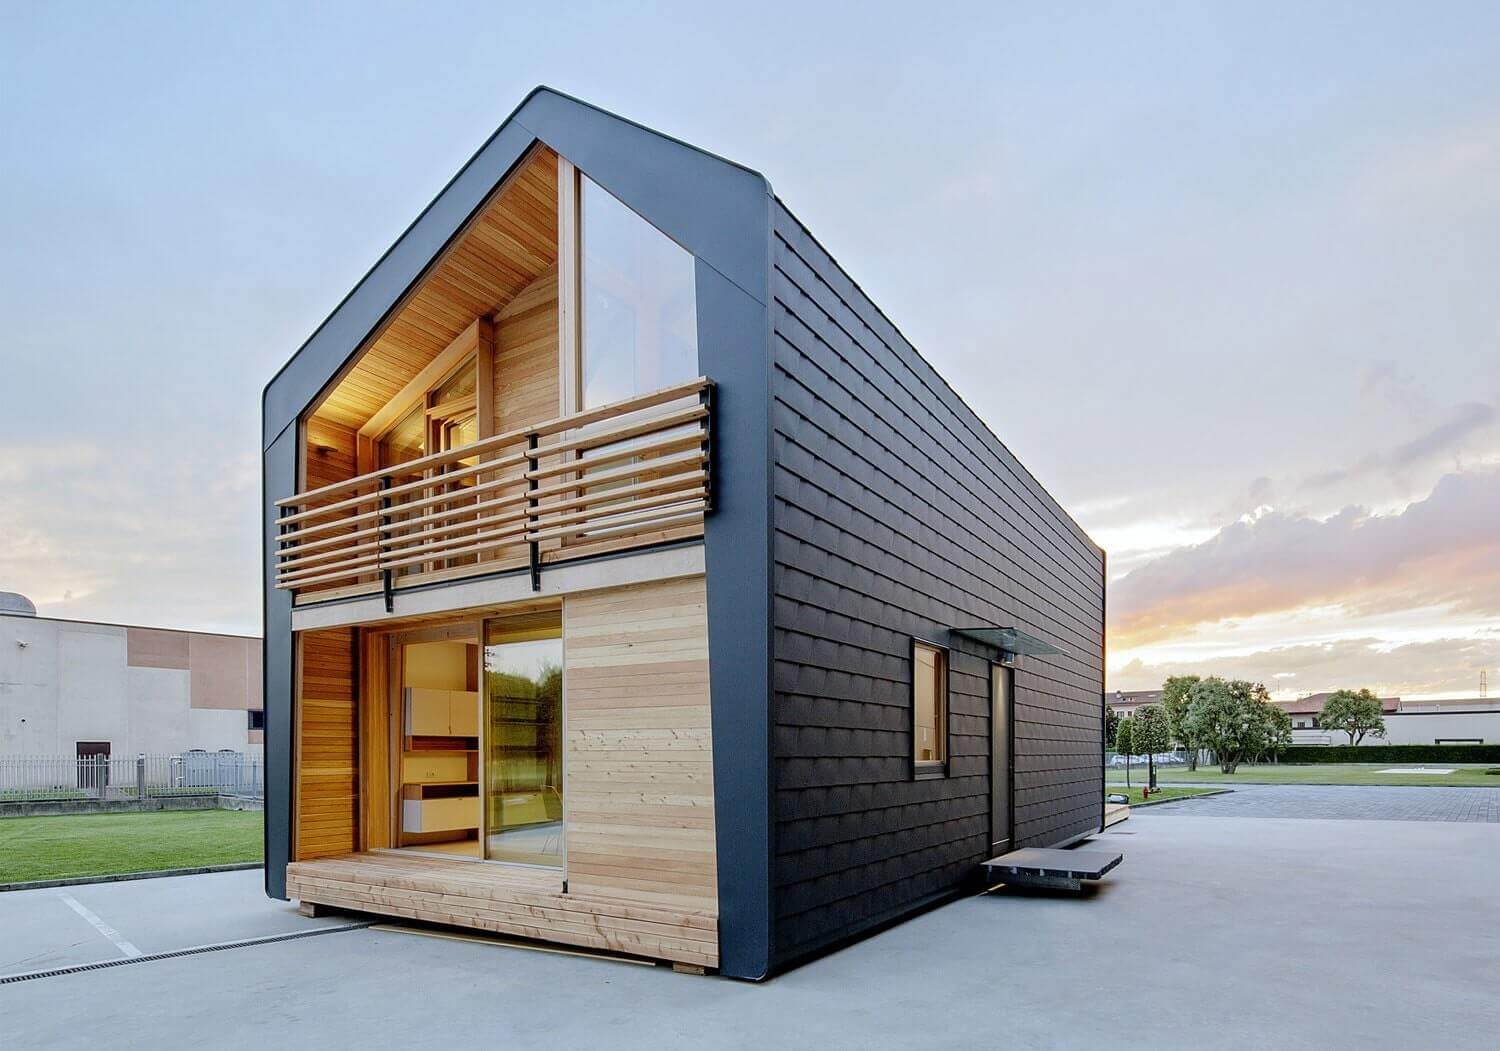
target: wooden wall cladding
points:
(501, 253)
(327, 811)
(330, 452)
(515, 900)
(526, 357)
(639, 775)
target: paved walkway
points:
(1205, 909)
(1346, 802)
(90, 923)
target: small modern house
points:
(631, 583)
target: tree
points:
(1111, 723)
(1278, 731)
(1357, 714)
(1256, 700)
(1125, 745)
(1174, 698)
(1236, 719)
(1151, 733)
(1220, 717)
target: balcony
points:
(630, 474)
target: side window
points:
(640, 319)
(929, 702)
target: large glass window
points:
(405, 440)
(929, 688)
(640, 319)
(523, 739)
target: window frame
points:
(572, 278)
(930, 769)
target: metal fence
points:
(43, 777)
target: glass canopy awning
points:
(1011, 640)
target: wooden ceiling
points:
(511, 242)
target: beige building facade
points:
(81, 688)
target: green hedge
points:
(1392, 753)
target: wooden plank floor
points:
(522, 902)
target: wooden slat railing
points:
(545, 493)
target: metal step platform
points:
(1053, 869)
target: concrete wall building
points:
(67, 687)
(1461, 720)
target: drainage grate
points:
(191, 951)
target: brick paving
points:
(1348, 802)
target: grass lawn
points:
(1134, 792)
(1315, 774)
(34, 848)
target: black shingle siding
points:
(897, 513)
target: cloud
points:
(1440, 551)
(1445, 665)
(1464, 421)
(143, 532)
(1454, 170)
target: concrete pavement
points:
(1344, 802)
(64, 926)
(1286, 933)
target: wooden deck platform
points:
(505, 899)
(1057, 869)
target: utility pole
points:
(1484, 683)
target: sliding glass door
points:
(523, 776)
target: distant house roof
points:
(1313, 703)
(1131, 698)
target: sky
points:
(1224, 276)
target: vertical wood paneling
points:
(639, 775)
(375, 788)
(326, 803)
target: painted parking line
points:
(99, 925)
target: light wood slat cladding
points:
(502, 252)
(331, 456)
(330, 452)
(526, 381)
(327, 807)
(505, 899)
(639, 788)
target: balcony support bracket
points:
(533, 549)
(387, 584)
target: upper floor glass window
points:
(640, 318)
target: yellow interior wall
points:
(436, 665)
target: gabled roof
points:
(715, 208)
(1313, 703)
